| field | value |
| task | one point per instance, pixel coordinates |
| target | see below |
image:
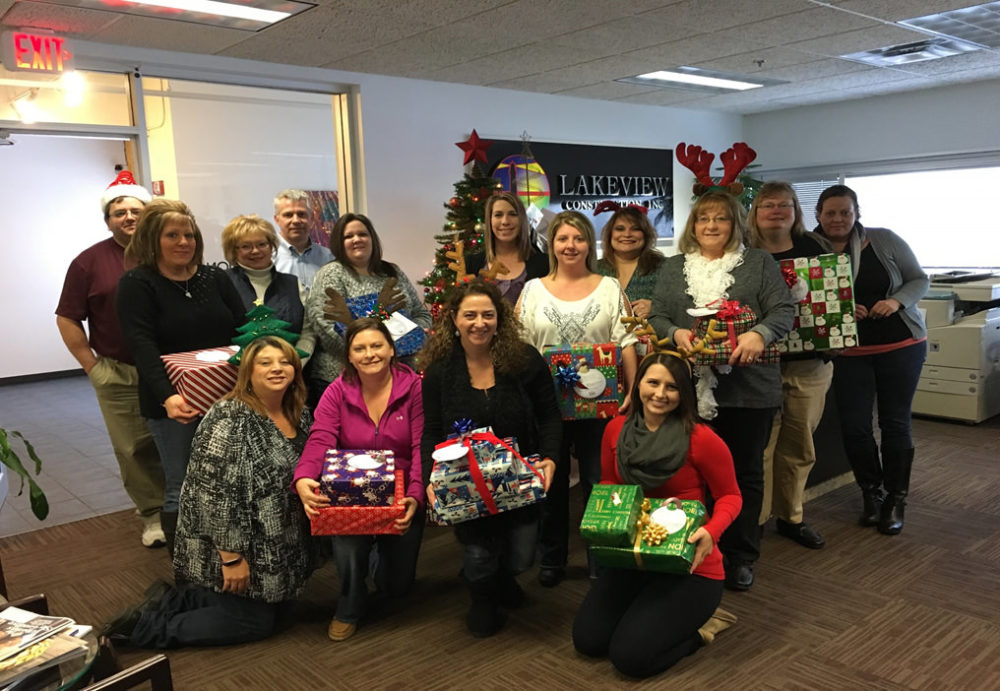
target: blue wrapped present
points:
(480, 475)
(359, 478)
(407, 343)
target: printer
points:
(960, 379)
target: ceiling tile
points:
(608, 91)
(74, 21)
(165, 34)
(855, 41)
(896, 10)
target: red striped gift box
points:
(202, 377)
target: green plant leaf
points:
(31, 451)
(39, 504)
(10, 459)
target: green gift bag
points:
(612, 514)
(660, 543)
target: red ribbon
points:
(474, 470)
(791, 278)
(728, 309)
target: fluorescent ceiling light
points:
(222, 9)
(246, 15)
(978, 24)
(698, 79)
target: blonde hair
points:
(574, 219)
(241, 227)
(771, 190)
(688, 241)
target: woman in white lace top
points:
(573, 304)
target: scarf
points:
(709, 280)
(650, 458)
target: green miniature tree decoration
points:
(262, 322)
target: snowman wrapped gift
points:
(588, 379)
(824, 315)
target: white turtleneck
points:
(260, 279)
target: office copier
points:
(961, 376)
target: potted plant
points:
(39, 504)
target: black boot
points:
(898, 464)
(871, 499)
(168, 521)
(509, 592)
(868, 474)
(483, 619)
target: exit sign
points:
(36, 52)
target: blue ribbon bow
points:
(567, 376)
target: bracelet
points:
(233, 562)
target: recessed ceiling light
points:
(699, 79)
(978, 24)
(906, 53)
(251, 15)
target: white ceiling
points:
(570, 47)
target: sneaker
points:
(152, 532)
(341, 630)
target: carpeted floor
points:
(916, 611)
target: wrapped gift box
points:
(480, 475)
(612, 514)
(359, 478)
(660, 543)
(735, 319)
(588, 379)
(362, 520)
(824, 318)
(202, 377)
(408, 336)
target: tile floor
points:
(79, 474)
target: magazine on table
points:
(20, 629)
(48, 652)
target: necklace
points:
(187, 293)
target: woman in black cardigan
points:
(477, 368)
(508, 242)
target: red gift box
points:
(362, 520)
(202, 377)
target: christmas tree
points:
(462, 234)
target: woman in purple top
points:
(374, 404)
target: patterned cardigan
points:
(235, 498)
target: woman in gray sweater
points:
(888, 283)
(738, 400)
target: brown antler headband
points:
(642, 327)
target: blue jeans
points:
(501, 544)
(173, 442)
(584, 436)
(890, 379)
(195, 615)
(395, 567)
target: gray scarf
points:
(651, 458)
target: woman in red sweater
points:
(646, 621)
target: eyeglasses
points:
(709, 219)
(246, 246)
(122, 213)
(784, 206)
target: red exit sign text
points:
(26, 51)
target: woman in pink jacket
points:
(374, 404)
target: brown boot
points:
(716, 624)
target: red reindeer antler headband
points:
(734, 160)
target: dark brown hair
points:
(376, 265)
(687, 407)
(354, 328)
(649, 258)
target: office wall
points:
(933, 122)
(411, 126)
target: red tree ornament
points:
(474, 148)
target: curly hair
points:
(507, 350)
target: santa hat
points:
(124, 186)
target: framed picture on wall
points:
(326, 210)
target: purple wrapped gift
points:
(353, 477)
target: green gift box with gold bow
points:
(660, 540)
(612, 515)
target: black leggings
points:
(644, 622)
